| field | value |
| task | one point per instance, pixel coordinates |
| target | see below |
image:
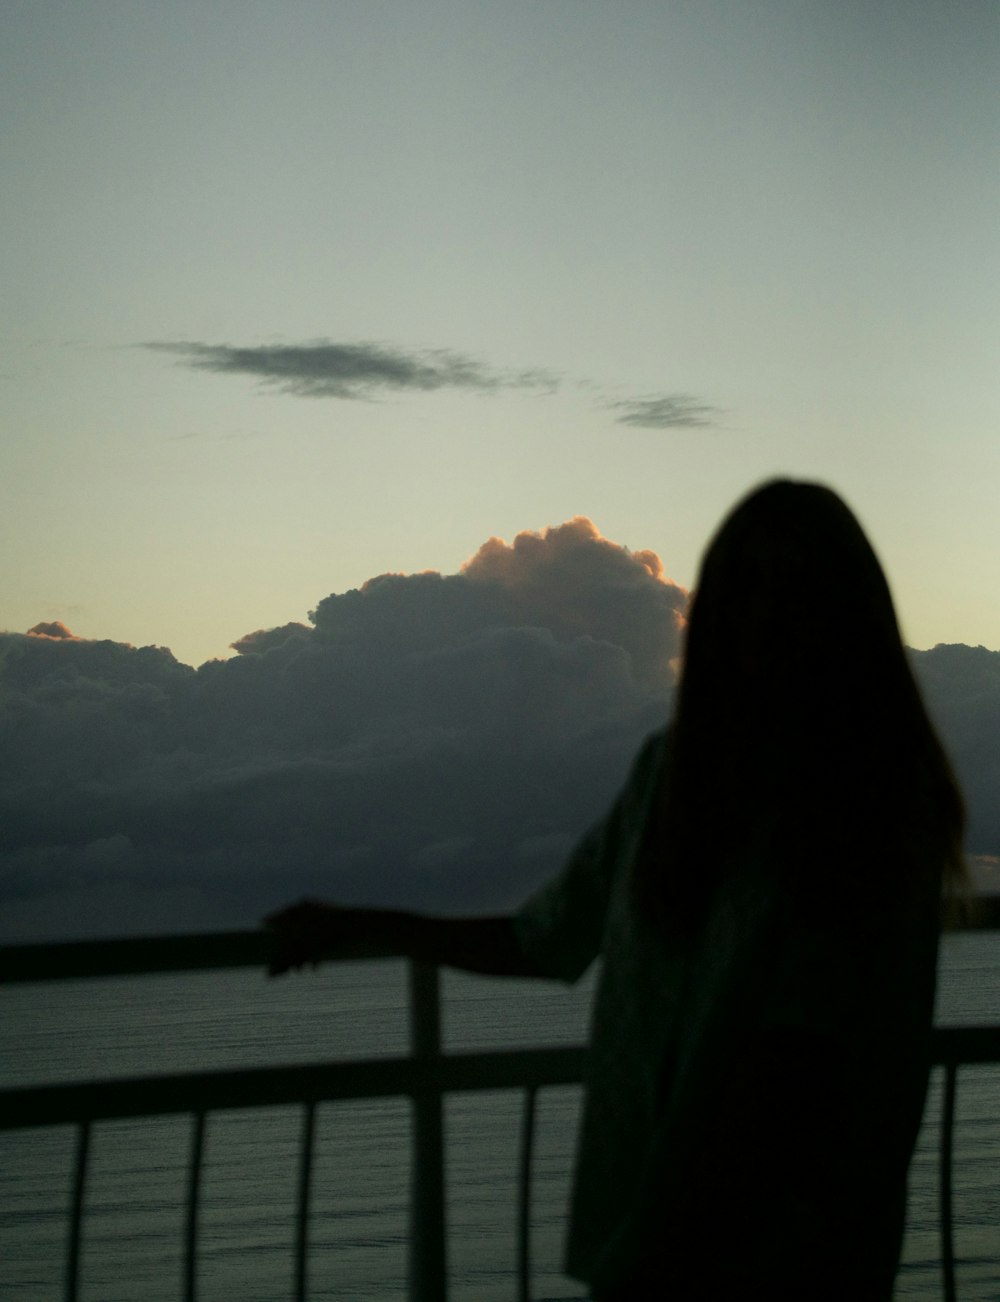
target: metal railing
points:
(425, 1075)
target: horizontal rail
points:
(144, 1096)
(139, 955)
(958, 1046)
(147, 1096)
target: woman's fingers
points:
(299, 936)
(292, 913)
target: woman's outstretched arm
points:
(306, 932)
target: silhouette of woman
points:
(766, 895)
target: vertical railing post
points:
(302, 1214)
(947, 1211)
(193, 1196)
(427, 1266)
(76, 1211)
(524, 1197)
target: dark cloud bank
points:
(433, 741)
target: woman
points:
(766, 895)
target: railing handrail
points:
(146, 955)
(205, 951)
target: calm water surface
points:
(133, 1231)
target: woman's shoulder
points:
(649, 766)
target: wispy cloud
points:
(360, 370)
(366, 371)
(667, 411)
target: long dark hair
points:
(799, 736)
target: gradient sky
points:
(667, 249)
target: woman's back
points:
(766, 896)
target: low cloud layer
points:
(961, 685)
(353, 370)
(433, 741)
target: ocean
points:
(133, 1227)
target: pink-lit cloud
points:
(55, 631)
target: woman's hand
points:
(303, 933)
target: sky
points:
(374, 376)
(297, 295)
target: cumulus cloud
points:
(433, 740)
(429, 740)
(353, 370)
(263, 639)
(666, 411)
